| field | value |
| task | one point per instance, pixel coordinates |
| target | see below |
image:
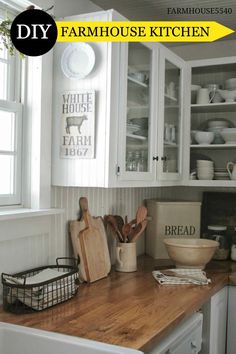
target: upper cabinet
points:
(137, 118)
(135, 94)
(212, 122)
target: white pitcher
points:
(231, 168)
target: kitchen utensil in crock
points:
(141, 214)
(144, 224)
(126, 229)
(119, 221)
(112, 221)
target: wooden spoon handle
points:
(144, 224)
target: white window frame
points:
(36, 100)
(13, 104)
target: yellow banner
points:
(141, 31)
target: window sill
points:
(21, 213)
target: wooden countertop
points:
(127, 309)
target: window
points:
(10, 125)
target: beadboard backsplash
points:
(36, 241)
(121, 201)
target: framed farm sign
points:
(78, 121)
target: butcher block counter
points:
(127, 309)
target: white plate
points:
(77, 60)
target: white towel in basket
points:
(40, 297)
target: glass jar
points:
(218, 233)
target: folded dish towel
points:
(181, 276)
(42, 296)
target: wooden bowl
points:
(190, 253)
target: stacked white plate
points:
(221, 174)
(205, 169)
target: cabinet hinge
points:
(117, 170)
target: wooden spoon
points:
(135, 230)
(136, 236)
(112, 221)
(126, 229)
(119, 221)
(141, 214)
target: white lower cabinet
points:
(185, 339)
(231, 336)
(215, 324)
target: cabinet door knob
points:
(164, 158)
(155, 158)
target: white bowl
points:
(230, 84)
(204, 163)
(204, 137)
(229, 135)
(228, 96)
(218, 124)
(190, 253)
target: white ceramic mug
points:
(232, 174)
(126, 257)
(203, 96)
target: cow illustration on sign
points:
(75, 121)
(77, 112)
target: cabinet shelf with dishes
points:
(132, 80)
(213, 146)
(214, 107)
(217, 118)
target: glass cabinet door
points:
(172, 90)
(137, 159)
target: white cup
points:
(203, 96)
(205, 176)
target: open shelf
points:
(214, 107)
(213, 146)
(134, 81)
(212, 183)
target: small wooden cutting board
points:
(90, 243)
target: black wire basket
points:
(22, 293)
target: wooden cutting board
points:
(89, 242)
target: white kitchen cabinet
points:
(185, 339)
(132, 107)
(203, 73)
(215, 323)
(231, 337)
(151, 106)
